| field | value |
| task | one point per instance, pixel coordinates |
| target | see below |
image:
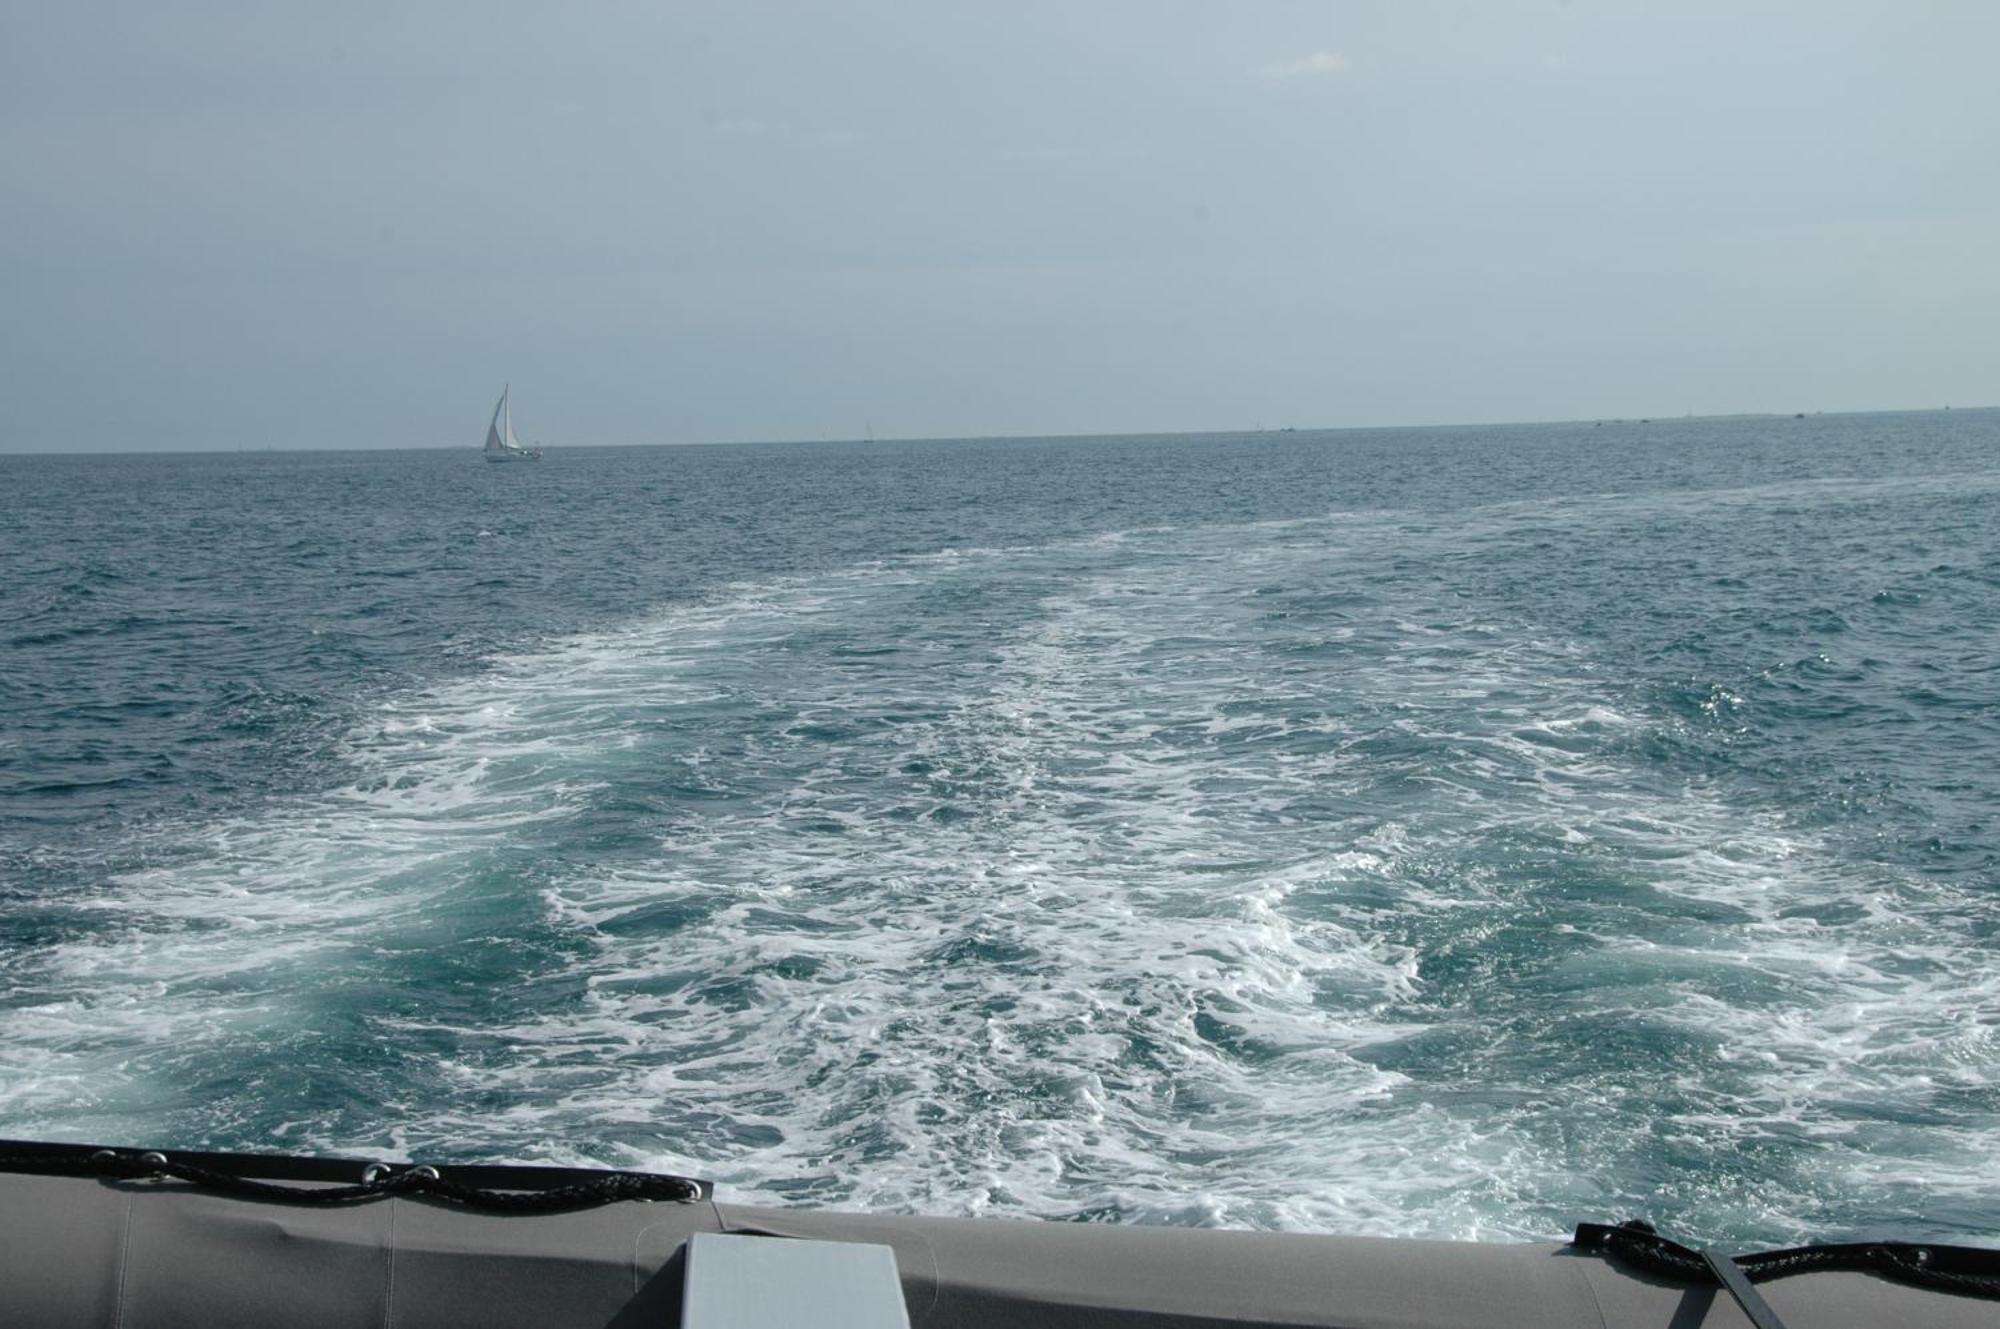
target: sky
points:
(247, 225)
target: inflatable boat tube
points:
(143, 1241)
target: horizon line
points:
(1255, 431)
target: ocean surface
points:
(1453, 832)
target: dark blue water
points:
(1448, 832)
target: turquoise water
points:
(1427, 832)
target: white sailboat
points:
(501, 445)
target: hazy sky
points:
(256, 224)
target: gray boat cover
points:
(139, 1255)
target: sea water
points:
(1453, 832)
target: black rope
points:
(1961, 1270)
(380, 1181)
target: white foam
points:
(1120, 902)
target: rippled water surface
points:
(1451, 833)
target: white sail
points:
(501, 444)
(494, 441)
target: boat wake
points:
(1269, 875)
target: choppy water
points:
(1455, 833)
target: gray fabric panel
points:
(202, 1260)
(557, 1269)
(1004, 1274)
(738, 1282)
(60, 1247)
(206, 1262)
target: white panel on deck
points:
(780, 1283)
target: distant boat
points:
(501, 445)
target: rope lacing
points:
(1963, 1270)
(379, 1181)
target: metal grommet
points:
(155, 1159)
(426, 1172)
(375, 1174)
(103, 1158)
